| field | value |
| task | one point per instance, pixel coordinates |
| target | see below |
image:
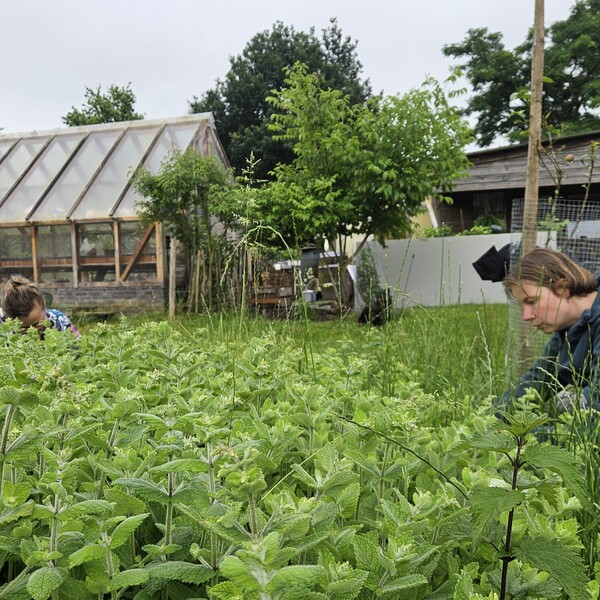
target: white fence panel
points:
(439, 271)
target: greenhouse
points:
(68, 216)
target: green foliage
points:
(360, 170)
(531, 542)
(189, 197)
(570, 66)
(116, 105)
(564, 564)
(227, 459)
(182, 196)
(238, 101)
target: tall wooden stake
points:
(530, 208)
(172, 277)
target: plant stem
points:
(4, 443)
(252, 511)
(506, 559)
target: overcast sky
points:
(172, 50)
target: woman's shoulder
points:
(58, 319)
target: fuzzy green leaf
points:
(464, 587)
(123, 409)
(294, 526)
(493, 440)
(10, 395)
(74, 589)
(403, 583)
(295, 581)
(86, 508)
(520, 423)
(366, 551)
(489, 502)
(181, 571)
(302, 475)
(226, 590)
(128, 578)
(560, 461)
(43, 582)
(14, 494)
(123, 530)
(127, 504)
(308, 541)
(561, 562)
(86, 554)
(25, 510)
(236, 570)
(338, 481)
(182, 465)
(349, 587)
(146, 489)
(347, 499)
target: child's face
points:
(543, 307)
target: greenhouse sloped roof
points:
(84, 173)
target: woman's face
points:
(36, 317)
(543, 307)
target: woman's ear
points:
(561, 288)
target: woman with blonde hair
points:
(23, 300)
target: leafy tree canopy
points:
(117, 104)
(572, 69)
(189, 196)
(239, 101)
(359, 169)
(184, 196)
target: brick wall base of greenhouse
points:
(127, 299)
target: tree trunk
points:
(197, 283)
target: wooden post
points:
(34, 254)
(75, 253)
(117, 238)
(172, 277)
(160, 254)
(530, 208)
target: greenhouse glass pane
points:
(173, 136)
(15, 252)
(145, 267)
(15, 164)
(54, 254)
(5, 146)
(111, 181)
(71, 183)
(31, 188)
(97, 252)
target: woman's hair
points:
(20, 297)
(551, 269)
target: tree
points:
(359, 170)
(572, 88)
(117, 104)
(186, 195)
(239, 102)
